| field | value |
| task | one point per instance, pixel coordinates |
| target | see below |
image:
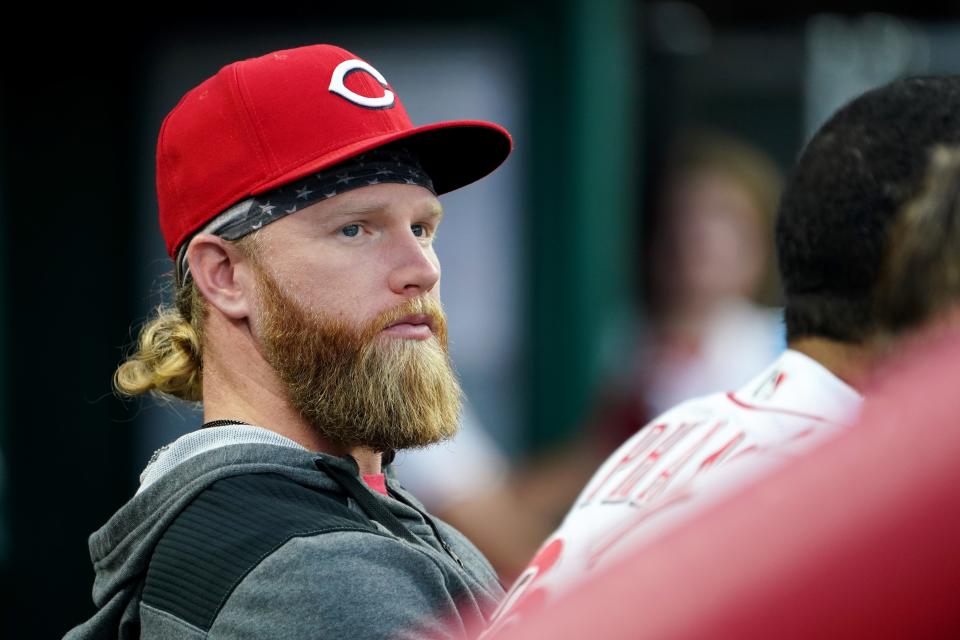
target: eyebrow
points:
(434, 210)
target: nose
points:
(415, 268)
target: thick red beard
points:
(357, 387)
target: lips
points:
(414, 319)
(417, 326)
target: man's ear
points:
(213, 267)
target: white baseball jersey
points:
(669, 470)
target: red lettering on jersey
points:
(650, 435)
(622, 491)
(717, 456)
(779, 380)
(664, 478)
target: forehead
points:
(408, 199)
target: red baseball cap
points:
(262, 122)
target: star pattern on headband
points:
(368, 169)
(267, 209)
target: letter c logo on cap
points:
(349, 66)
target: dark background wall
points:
(69, 117)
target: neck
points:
(368, 460)
(849, 362)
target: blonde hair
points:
(167, 358)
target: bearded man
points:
(299, 205)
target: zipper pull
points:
(433, 526)
(449, 549)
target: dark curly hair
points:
(854, 176)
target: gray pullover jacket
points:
(237, 532)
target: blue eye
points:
(350, 230)
(418, 230)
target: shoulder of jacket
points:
(227, 530)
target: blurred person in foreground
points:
(299, 205)
(833, 229)
(823, 546)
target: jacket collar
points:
(206, 439)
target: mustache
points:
(425, 306)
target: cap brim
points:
(453, 154)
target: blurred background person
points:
(713, 279)
(710, 323)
